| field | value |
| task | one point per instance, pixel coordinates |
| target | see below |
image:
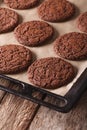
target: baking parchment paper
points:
(47, 49)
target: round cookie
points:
(33, 33)
(82, 22)
(8, 20)
(21, 4)
(56, 10)
(14, 59)
(50, 73)
(72, 46)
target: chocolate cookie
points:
(8, 20)
(50, 73)
(72, 46)
(82, 22)
(14, 58)
(56, 10)
(33, 33)
(21, 4)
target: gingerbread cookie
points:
(50, 73)
(33, 33)
(72, 46)
(14, 58)
(21, 4)
(56, 10)
(8, 20)
(82, 22)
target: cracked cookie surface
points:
(50, 73)
(72, 46)
(21, 4)
(82, 22)
(8, 20)
(56, 10)
(33, 33)
(14, 59)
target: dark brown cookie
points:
(21, 4)
(82, 22)
(33, 33)
(72, 46)
(50, 73)
(14, 58)
(8, 20)
(56, 10)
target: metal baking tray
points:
(62, 103)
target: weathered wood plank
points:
(47, 119)
(1, 95)
(5, 83)
(16, 113)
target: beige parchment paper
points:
(47, 50)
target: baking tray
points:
(66, 96)
(63, 103)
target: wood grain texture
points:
(4, 83)
(47, 119)
(16, 113)
(1, 95)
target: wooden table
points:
(20, 114)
